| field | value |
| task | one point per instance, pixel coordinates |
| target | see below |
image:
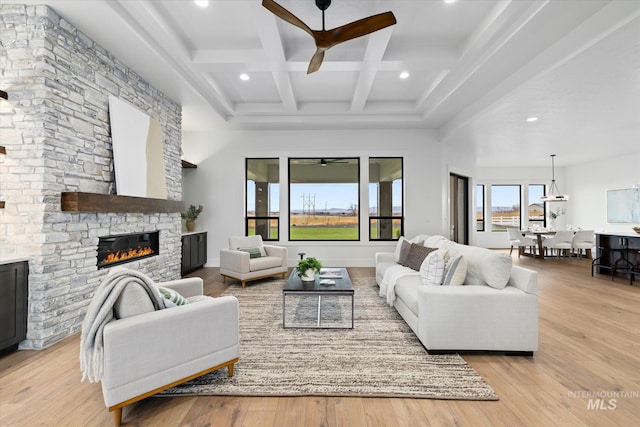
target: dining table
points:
(539, 236)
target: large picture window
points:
(386, 212)
(480, 207)
(505, 207)
(324, 199)
(536, 207)
(263, 198)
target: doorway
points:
(459, 208)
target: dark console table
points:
(612, 246)
(13, 304)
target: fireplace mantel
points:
(111, 203)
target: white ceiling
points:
(478, 69)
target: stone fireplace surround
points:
(57, 137)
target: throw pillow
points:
(455, 271)
(432, 269)
(173, 296)
(404, 252)
(416, 255)
(253, 252)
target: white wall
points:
(588, 184)
(218, 183)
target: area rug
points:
(380, 357)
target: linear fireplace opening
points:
(123, 248)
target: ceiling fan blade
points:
(285, 15)
(361, 27)
(316, 61)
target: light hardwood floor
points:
(589, 347)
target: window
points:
(386, 212)
(536, 207)
(262, 214)
(324, 199)
(480, 207)
(505, 207)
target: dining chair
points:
(517, 239)
(561, 242)
(583, 239)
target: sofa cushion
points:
(264, 263)
(416, 255)
(133, 300)
(407, 290)
(486, 267)
(432, 269)
(455, 271)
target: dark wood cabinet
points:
(14, 283)
(194, 251)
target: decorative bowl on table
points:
(636, 229)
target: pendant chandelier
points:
(554, 194)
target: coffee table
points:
(341, 286)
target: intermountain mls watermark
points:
(603, 400)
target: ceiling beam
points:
(272, 44)
(376, 47)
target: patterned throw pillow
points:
(417, 254)
(432, 269)
(173, 296)
(253, 252)
(455, 271)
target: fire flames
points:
(125, 255)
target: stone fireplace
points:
(57, 136)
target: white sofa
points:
(475, 316)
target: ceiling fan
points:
(326, 39)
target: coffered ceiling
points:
(477, 69)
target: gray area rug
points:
(379, 357)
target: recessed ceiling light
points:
(532, 119)
(449, 1)
(244, 77)
(404, 75)
(201, 3)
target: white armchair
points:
(158, 349)
(248, 264)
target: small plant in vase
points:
(191, 215)
(554, 215)
(308, 268)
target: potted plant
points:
(307, 268)
(191, 215)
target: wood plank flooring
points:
(589, 347)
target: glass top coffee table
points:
(330, 287)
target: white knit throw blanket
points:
(100, 312)
(391, 276)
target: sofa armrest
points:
(169, 337)
(233, 260)
(385, 257)
(524, 279)
(277, 251)
(187, 287)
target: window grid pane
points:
(386, 207)
(505, 207)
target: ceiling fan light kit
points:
(554, 194)
(325, 39)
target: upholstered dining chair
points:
(561, 242)
(583, 240)
(137, 349)
(248, 258)
(517, 239)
